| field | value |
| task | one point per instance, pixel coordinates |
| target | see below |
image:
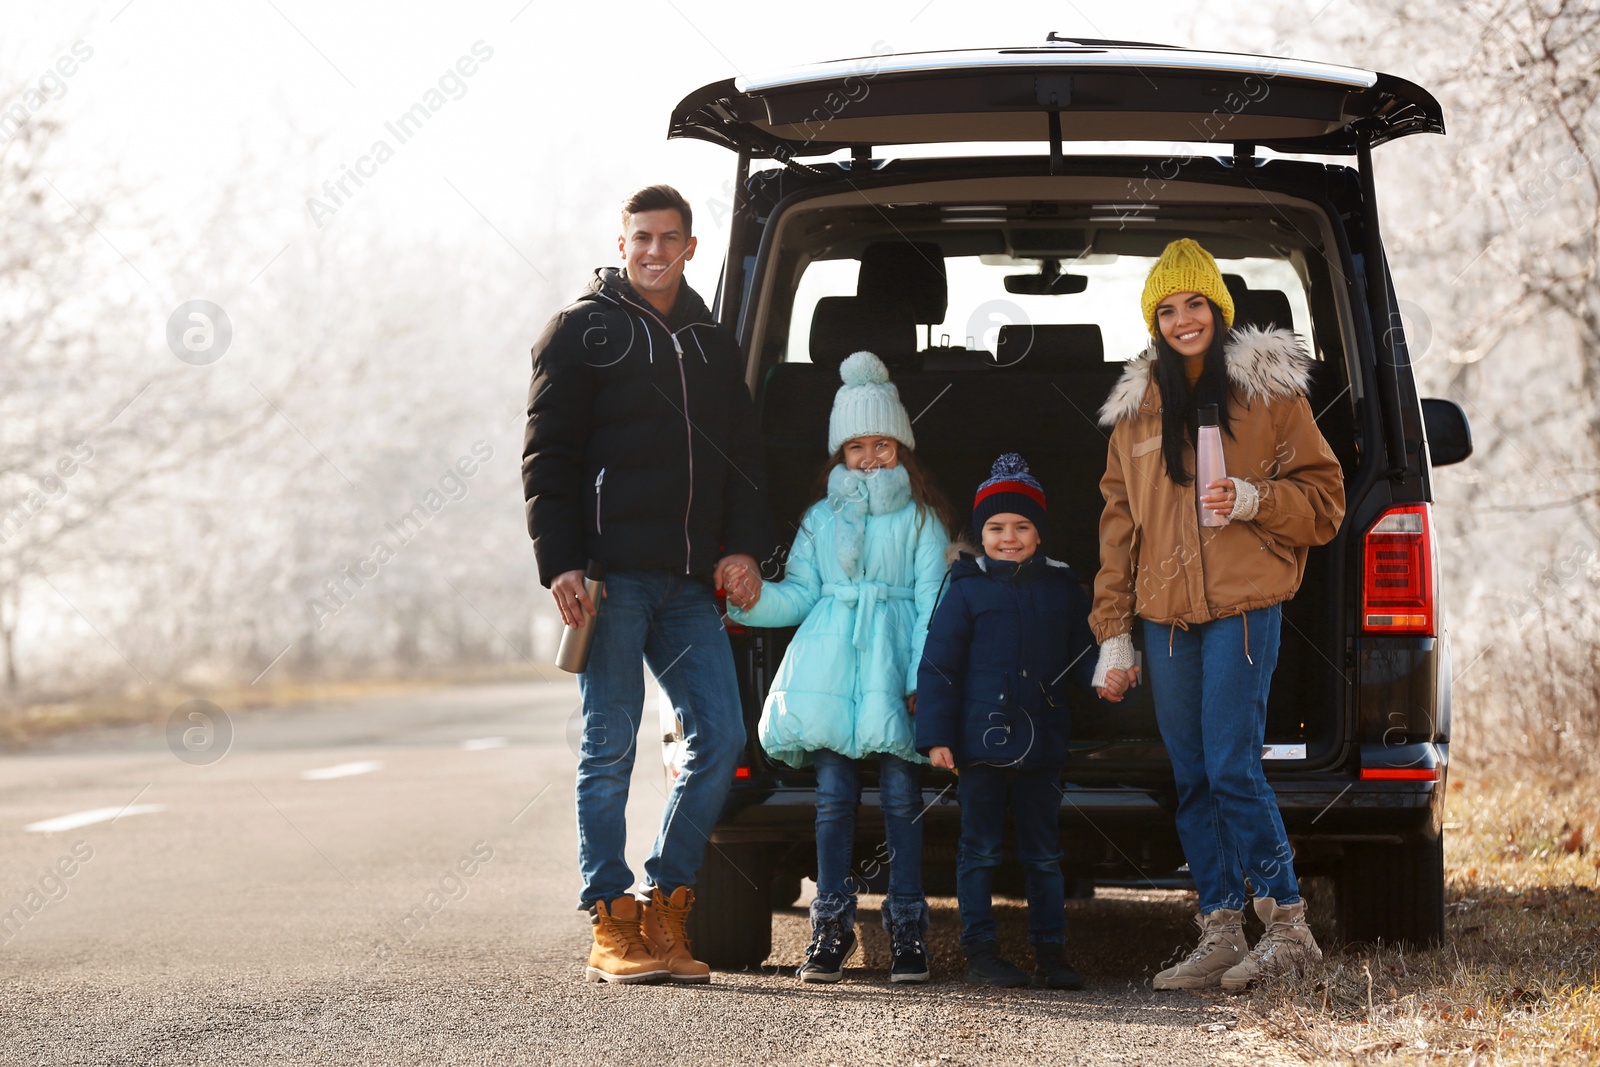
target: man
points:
(641, 454)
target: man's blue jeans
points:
(1211, 705)
(1035, 801)
(669, 621)
(838, 795)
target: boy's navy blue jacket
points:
(1002, 646)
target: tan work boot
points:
(620, 952)
(665, 918)
(1286, 948)
(1222, 945)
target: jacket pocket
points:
(1273, 545)
(990, 730)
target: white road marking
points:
(342, 770)
(88, 818)
(479, 744)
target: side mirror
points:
(1449, 436)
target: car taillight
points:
(741, 772)
(1399, 774)
(1398, 578)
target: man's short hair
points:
(658, 198)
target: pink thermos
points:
(1208, 464)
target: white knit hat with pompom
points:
(867, 403)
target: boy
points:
(991, 704)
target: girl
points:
(862, 579)
(1211, 597)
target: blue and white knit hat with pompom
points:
(867, 403)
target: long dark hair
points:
(1179, 400)
(929, 498)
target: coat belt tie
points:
(864, 596)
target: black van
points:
(1002, 291)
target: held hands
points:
(1118, 682)
(942, 758)
(572, 598)
(740, 576)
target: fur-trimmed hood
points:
(1262, 364)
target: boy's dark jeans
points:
(1035, 801)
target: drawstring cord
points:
(1244, 617)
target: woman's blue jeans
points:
(669, 621)
(1211, 705)
(838, 796)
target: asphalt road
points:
(393, 880)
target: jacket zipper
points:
(688, 426)
(599, 478)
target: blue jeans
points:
(1211, 705)
(838, 796)
(669, 621)
(1035, 797)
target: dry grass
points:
(1518, 978)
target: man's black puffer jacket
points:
(641, 449)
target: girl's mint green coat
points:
(862, 579)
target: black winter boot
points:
(985, 966)
(1052, 970)
(831, 944)
(907, 924)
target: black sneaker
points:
(1052, 970)
(831, 944)
(985, 966)
(909, 953)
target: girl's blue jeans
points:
(1211, 705)
(838, 796)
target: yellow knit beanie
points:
(1185, 267)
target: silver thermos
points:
(573, 655)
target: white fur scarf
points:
(1262, 364)
(852, 496)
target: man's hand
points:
(911, 703)
(740, 576)
(572, 598)
(942, 758)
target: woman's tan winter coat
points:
(1156, 561)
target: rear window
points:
(980, 304)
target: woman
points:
(1211, 597)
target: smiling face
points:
(871, 451)
(655, 246)
(1186, 323)
(1010, 536)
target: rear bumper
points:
(1129, 829)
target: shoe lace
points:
(628, 933)
(904, 939)
(674, 921)
(827, 935)
(1209, 942)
